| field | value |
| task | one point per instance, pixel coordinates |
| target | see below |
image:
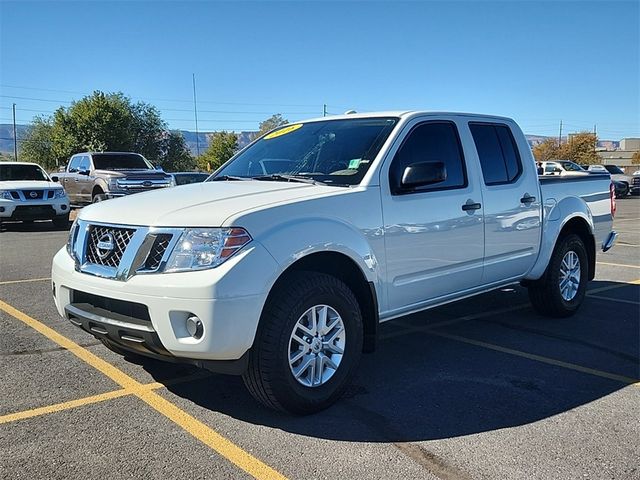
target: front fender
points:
(289, 242)
(555, 216)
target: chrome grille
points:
(117, 238)
(157, 251)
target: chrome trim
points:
(610, 241)
(78, 312)
(134, 256)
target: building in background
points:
(622, 155)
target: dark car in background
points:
(185, 178)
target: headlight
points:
(5, 195)
(202, 248)
(59, 193)
(73, 234)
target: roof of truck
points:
(407, 113)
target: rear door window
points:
(497, 151)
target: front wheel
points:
(308, 344)
(563, 287)
(98, 197)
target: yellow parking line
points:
(539, 358)
(618, 265)
(9, 282)
(121, 392)
(613, 287)
(58, 407)
(611, 299)
(199, 430)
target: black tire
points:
(98, 197)
(545, 294)
(269, 378)
(61, 221)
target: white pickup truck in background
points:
(27, 193)
(281, 266)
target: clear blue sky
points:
(538, 62)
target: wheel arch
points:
(343, 267)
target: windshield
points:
(572, 167)
(22, 172)
(120, 161)
(614, 169)
(186, 178)
(334, 152)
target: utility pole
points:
(324, 109)
(560, 135)
(195, 114)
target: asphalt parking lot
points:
(483, 388)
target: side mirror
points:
(421, 174)
(55, 178)
(83, 172)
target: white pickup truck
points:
(282, 264)
(27, 194)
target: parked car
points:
(185, 178)
(621, 188)
(617, 174)
(283, 277)
(92, 177)
(27, 194)
(562, 168)
(635, 183)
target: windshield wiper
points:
(277, 177)
(225, 178)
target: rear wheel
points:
(563, 287)
(308, 345)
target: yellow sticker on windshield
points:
(283, 131)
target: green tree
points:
(270, 123)
(581, 149)
(547, 150)
(635, 159)
(102, 122)
(222, 146)
(175, 155)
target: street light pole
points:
(15, 137)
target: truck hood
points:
(27, 184)
(206, 204)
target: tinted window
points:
(498, 153)
(550, 168)
(614, 169)
(431, 142)
(120, 161)
(21, 172)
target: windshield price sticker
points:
(283, 131)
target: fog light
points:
(194, 327)
(1, 209)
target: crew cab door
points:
(512, 206)
(84, 180)
(433, 234)
(70, 179)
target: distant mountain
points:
(244, 138)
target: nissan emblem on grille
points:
(33, 194)
(105, 245)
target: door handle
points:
(527, 198)
(471, 206)
(76, 180)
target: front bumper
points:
(227, 299)
(33, 209)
